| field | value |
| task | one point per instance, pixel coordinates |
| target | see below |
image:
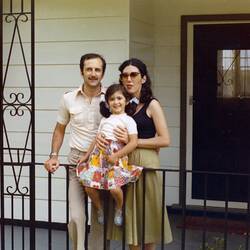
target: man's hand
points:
(121, 134)
(52, 164)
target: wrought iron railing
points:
(17, 51)
(29, 226)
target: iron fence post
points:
(1, 130)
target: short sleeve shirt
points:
(83, 116)
(107, 125)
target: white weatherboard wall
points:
(142, 31)
(144, 44)
(117, 29)
(65, 30)
(167, 67)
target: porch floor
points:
(193, 239)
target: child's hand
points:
(84, 158)
(113, 159)
(101, 142)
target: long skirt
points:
(98, 173)
(134, 205)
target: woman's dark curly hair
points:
(104, 108)
(146, 91)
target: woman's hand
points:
(101, 142)
(121, 134)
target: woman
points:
(152, 135)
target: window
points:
(233, 73)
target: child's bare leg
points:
(117, 194)
(118, 197)
(94, 195)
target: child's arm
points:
(86, 156)
(129, 147)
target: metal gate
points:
(17, 143)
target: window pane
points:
(233, 73)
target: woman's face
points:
(132, 80)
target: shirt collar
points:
(81, 92)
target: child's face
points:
(117, 103)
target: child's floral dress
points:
(100, 174)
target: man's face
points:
(92, 72)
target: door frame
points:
(186, 78)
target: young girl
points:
(109, 169)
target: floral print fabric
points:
(100, 174)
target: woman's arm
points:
(129, 147)
(162, 138)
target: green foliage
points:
(217, 244)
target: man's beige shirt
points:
(83, 115)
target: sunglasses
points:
(132, 75)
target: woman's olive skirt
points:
(133, 198)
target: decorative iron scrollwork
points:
(16, 110)
(13, 17)
(17, 190)
(16, 103)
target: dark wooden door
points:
(221, 125)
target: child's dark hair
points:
(104, 108)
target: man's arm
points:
(52, 163)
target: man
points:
(80, 109)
